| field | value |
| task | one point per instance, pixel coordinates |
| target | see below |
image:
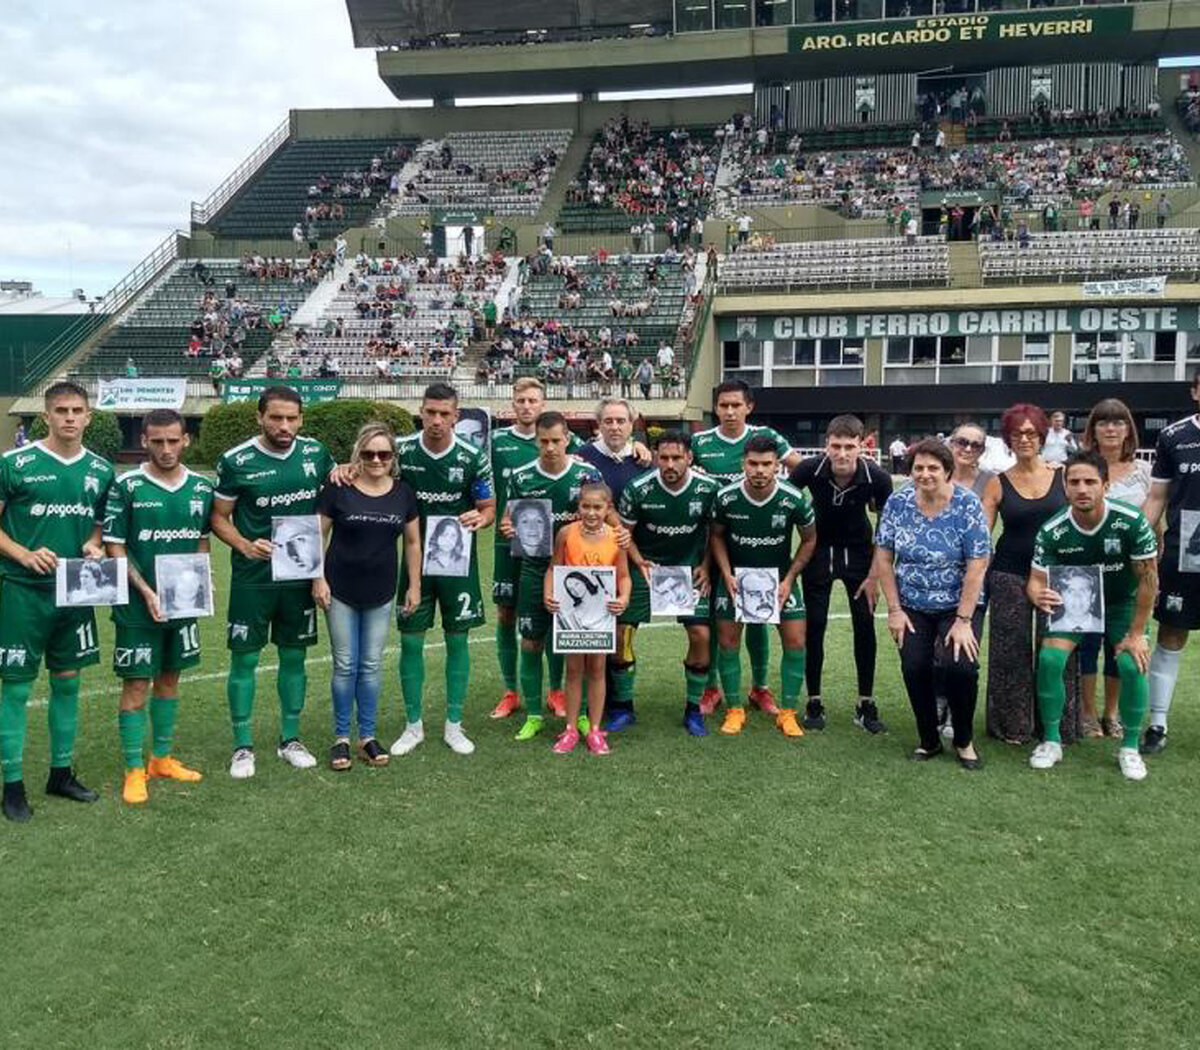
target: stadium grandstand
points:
(1017, 222)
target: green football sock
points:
(14, 696)
(555, 662)
(1134, 699)
(64, 720)
(531, 681)
(506, 653)
(693, 684)
(731, 675)
(292, 683)
(132, 727)
(1051, 692)
(239, 689)
(623, 677)
(758, 645)
(163, 712)
(412, 673)
(458, 672)
(713, 679)
(792, 673)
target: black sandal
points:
(923, 755)
(339, 756)
(373, 753)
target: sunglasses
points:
(380, 456)
(970, 446)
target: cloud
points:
(116, 116)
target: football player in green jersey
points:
(752, 529)
(1116, 537)
(160, 509)
(557, 477)
(450, 478)
(278, 473)
(667, 513)
(52, 495)
(718, 452)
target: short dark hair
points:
(279, 392)
(161, 417)
(845, 426)
(734, 386)
(64, 388)
(675, 437)
(930, 446)
(550, 419)
(440, 392)
(1086, 457)
(760, 443)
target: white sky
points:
(115, 115)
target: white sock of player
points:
(1164, 669)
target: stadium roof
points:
(1133, 33)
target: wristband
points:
(965, 619)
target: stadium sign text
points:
(998, 27)
(140, 395)
(310, 390)
(1026, 321)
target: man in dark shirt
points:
(844, 485)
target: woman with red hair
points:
(1024, 497)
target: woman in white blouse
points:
(1110, 431)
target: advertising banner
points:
(132, 395)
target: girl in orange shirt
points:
(586, 543)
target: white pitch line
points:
(213, 676)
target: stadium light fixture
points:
(464, 101)
(675, 92)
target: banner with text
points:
(1129, 286)
(1023, 321)
(140, 395)
(310, 390)
(982, 29)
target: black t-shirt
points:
(842, 512)
(361, 563)
(1177, 462)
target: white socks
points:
(1164, 669)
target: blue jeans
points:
(356, 637)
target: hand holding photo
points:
(584, 623)
(184, 585)
(447, 547)
(671, 591)
(532, 530)
(1189, 541)
(299, 553)
(1081, 588)
(757, 596)
(91, 581)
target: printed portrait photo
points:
(91, 581)
(671, 591)
(447, 547)
(533, 532)
(1081, 588)
(757, 595)
(299, 553)
(184, 585)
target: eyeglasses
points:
(383, 455)
(1026, 435)
(967, 446)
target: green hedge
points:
(103, 435)
(334, 423)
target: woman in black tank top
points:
(1024, 498)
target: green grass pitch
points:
(750, 893)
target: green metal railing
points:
(203, 211)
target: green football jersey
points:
(562, 490)
(1122, 537)
(446, 482)
(721, 457)
(669, 528)
(510, 450)
(50, 502)
(759, 535)
(150, 518)
(269, 485)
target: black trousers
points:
(850, 565)
(930, 669)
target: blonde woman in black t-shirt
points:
(362, 522)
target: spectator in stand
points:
(217, 373)
(131, 368)
(1162, 211)
(645, 377)
(744, 222)
(1059, 442)
(898, 450)
(666, 354)
(298, 237)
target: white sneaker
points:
(1048, 753)
(296, 755)
(242, 766)
(414, 734)
(456, 739)
(1131, 763)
